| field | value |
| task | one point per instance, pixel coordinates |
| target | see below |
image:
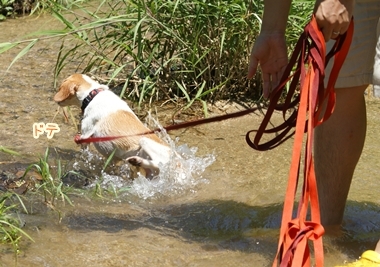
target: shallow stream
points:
(226, 214)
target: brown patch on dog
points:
(69, 86)
(124, 123)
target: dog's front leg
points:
(78, 138)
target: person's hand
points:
(270, 52)
(333, 17)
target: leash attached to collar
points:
(312, 106)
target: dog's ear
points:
(66, 90)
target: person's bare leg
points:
(377, 249)
(338, 145)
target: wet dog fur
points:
(108, 115)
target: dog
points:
(106, 115)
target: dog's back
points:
(107, 115)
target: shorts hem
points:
(354, 81)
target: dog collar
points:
(88, 98)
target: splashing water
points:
(173, 180)
(181, 174)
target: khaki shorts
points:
(376, 72)
(358, 68)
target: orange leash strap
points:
(309, 110)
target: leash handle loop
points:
(311, 105)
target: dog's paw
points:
(78, 138)
(149, 168)
(135, 161)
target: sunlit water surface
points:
(223, 210)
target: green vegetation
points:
(8, 151)
(41, 182)
(10, 232)
(50, 186)
(181, 51)
(6, 9)
(10, 8)
(160, 50)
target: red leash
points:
(79, 140)
(309, 62)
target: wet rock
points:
(18, 181)
(78, 179)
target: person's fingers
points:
(341, 30)
(266, 85)
(281, 72)
(252, 68)
(275, 80)
(327, 33)
(332, 30)
(344, 27)
(335, 34)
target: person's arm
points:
(275, 16)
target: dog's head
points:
(75, 88)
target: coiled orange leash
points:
(311, 106)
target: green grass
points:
(156, 50)
(47, 190)
(51, 186)
(50, 190)
(10, 230)
(8, 151)
(159, 50)
(6, 9)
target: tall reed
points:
(177, 50)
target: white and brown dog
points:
(105, 115)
